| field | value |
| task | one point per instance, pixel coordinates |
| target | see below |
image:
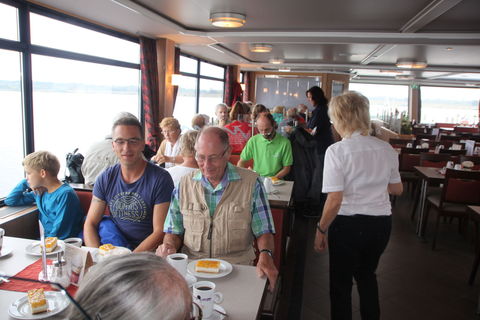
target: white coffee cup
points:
(409, 145)
(2, 233)
(77, 242)
(458, 167)
(450, 164)
(204, 294)
(179, 261)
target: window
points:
(8, 22)
(11, 129)
(449, 105)
(384, 99)
(288, 92)
(201, 89)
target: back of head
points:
(216, 132)
(238, 109)
(138, 286)
(220, 106)
(259, 108)
(349, 113)
(42, 160)
(318, 96)
(187, 143)
(128, 120)
(198, 121)
(278, 109)
(291, 113)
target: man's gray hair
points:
(220, 105)
(217, 131)
(139, 286)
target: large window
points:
(61, 87)
(385, 100)
(200, 90)
(450, 105)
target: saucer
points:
(216, 315)
(5, 252)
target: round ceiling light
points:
(227, 19)
(410, 64)
(260, 47)
(276, 61)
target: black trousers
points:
(355, 246)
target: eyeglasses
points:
(132, 141)
(212, 158)
(167, 132)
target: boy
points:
(60, 210)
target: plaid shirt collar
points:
(230, 174)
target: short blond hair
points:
(187, 143)
(349, 113)
(42, 160)
(170, 122)
(279, 109)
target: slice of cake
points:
(106, 249)
(208, 266)
(50, 244)
(37, 301)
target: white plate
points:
(115, 252)
(216, 315)
(34, 248)
(190, 279)
(5, 252)
(57, 302)
(225, 268)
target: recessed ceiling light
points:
(449, 48)
(227, 19)
(260, 47)
(404, 77)
(411, 64)
(276, 61)
(284, 69)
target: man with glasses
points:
(218, 210)
(271, 152)
(137, 194)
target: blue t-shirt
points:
(131, 205)
(60, 211)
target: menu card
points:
(79, 260)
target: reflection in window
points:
(384, 99)
(56, 34)
(211, 70)
(188, 65)
(74, 109)
(186, 102)
(211, 94)
(450, 105)
(11, 130)
(8, 22)
(290, 93)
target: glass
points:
(132, 141)
(188, 65)
(186, 102)
(56, 34)
(211, 70)
(8, 22)
(73, 108)
(212, 158)
(211, 94)
(11, 130)
(384, 99)
(449, 105)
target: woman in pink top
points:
(240, 129)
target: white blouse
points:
(362, 167)
(172, 151)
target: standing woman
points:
(360, 172)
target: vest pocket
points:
(239, 235)
(194, 226)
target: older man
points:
(221, 111)
(271, 152)
(219, 209)
(137, 193)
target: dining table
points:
(242, 289)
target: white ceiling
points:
(359, 37)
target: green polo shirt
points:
(269, 157)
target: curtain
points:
(176, 70)
(150, 95)
(249, 84)
(233, 90)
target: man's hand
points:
(266, 267)
(165, 249)
(320, 242)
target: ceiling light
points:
(410, 64)
(227, 19)
(284, 69)
(276, 61)
(260, 47)
(404, 77)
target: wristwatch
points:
(268, 251)
(320, 229)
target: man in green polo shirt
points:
(271, 152)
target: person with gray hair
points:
(136, 286)
(221, 111)
(237, 210)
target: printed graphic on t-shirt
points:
(128, 206)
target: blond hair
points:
(170, 122)
(349, 113)
(187, 143)
(42, 160)
(278, 109)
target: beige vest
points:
(228, 234)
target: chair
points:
(400, 143)
(461, 188)
(450, 138)
(453, 152)
(425, 136)
(85, 198)
(434, 160)
(474, 159)
(407, 161)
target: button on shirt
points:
(361, 167)
(262, 221)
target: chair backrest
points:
(461, 187)
(86, 199)
(434, 160)
(453, 152)
(450, 138)
(413, 150)
(426, 136)
(399, 143)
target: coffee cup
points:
(2, 233)
(204, 294)
(77, 242)
(409, 145)
(450, 164)
(178, 261)
(458, 167)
